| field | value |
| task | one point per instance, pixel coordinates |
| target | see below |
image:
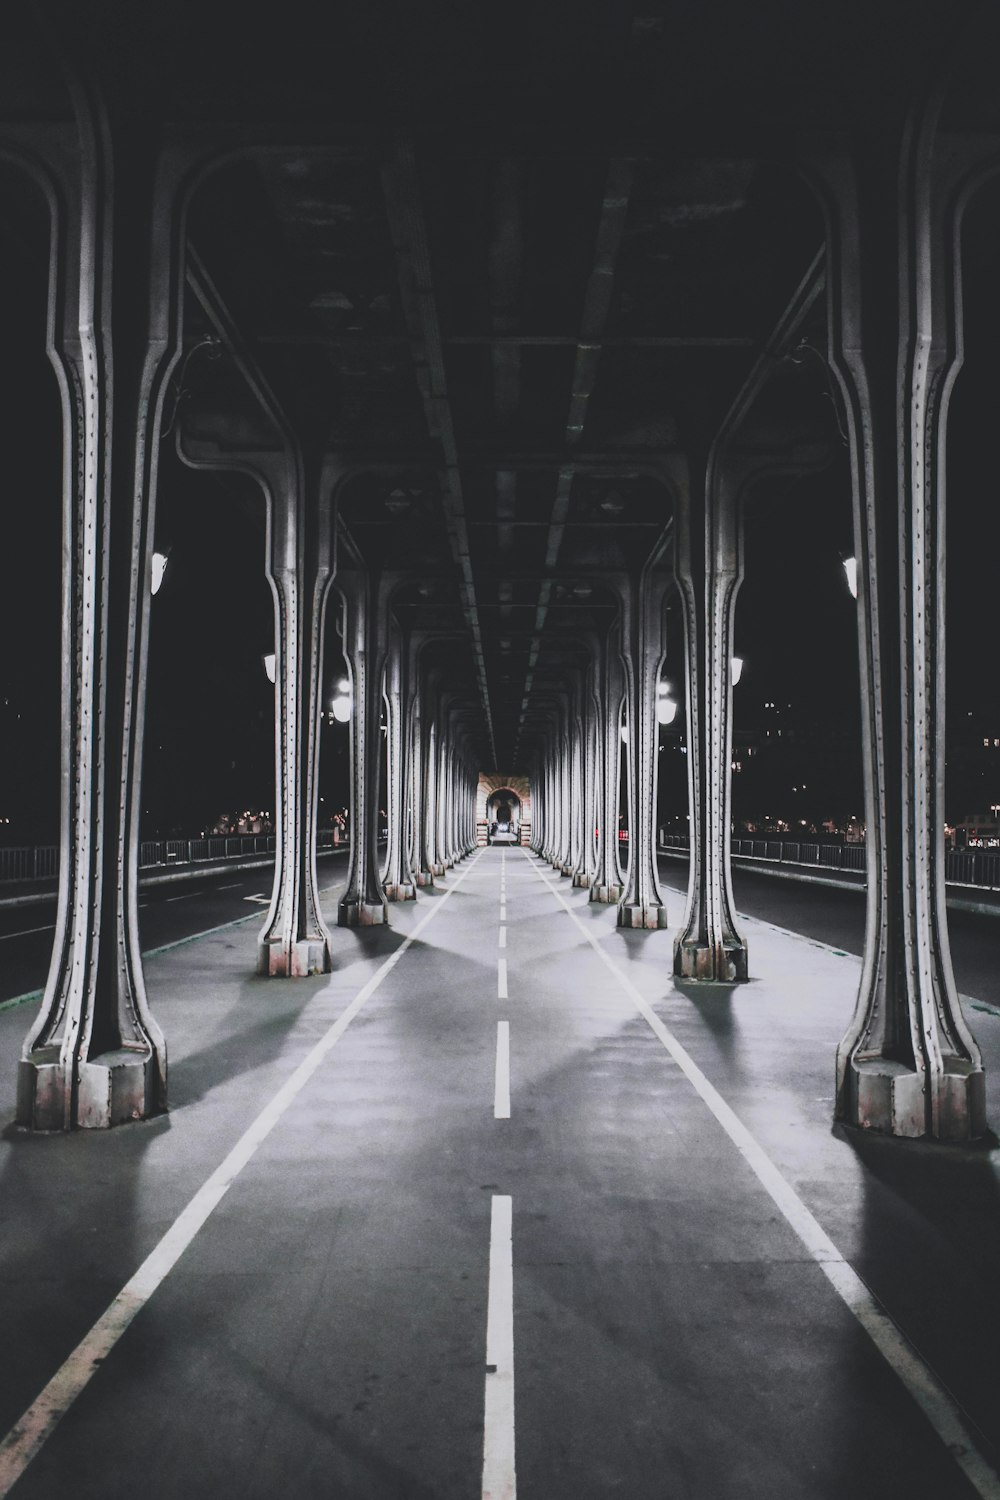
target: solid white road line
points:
(27, 931)
(937, 1404)
(28, 1435)
(501, 1086)
(498, 1435)
(501, 979)
(502, 940)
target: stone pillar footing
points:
(362, 914)
(308, 955)
(722, 964)
(405, 891)
(652, 916)
(581, 880)
(113, 1088)
(423, 879)
(608, 895)
(888, 1097)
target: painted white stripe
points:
(231, 886)
(503, 912)
(501, 1085)
(499, 1481)
(27, 931)
(188, 896)
(262, 900)
(937, 1404)
(501, 979)
(28, 1435)
(502, 940)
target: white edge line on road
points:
(935, 1401)
(501, 979)
(27, 931)
(501, 1085)
(499, 1481)
(29, 1434)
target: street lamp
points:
(159, 567)
(851, 571)
(736, 665)
(269, 661)
(340, 706)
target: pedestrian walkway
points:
(498, 1198)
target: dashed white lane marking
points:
(502, 939)
(27, 931)
(501, 1085)
(188, 896)
(501, 979)
(499, 1481)
(937, 1404)
(230, 887)
(503, 912)
(28, 1435)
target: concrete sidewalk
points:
(324, 1332)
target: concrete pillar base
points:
(721, 964)
(580, 880)
(309, 955)
(565, 869)
(362, 914)
(114, 1088)
(423, 878)
(607, 895)
(888, 1097)
(438, 870)
(652, 917)
(405, 891)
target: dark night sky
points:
(210, 734)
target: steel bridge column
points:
(577, 780)
(295, 939)
(585, 871)
(363, 903)
(563, 790)
(95, 1056)
(708, 571)
(642, 903)
(399, 884)
(908, 1065)
(419, 732)
(607, 887)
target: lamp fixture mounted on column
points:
(340, 706)
(737, 669)
(666, 708)
(270, 662)
(159, 567)
(851, 570)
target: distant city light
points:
(737, 665)
(851, 569)
(269, 661)
(158, 570)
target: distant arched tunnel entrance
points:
(503, 809)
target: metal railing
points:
(42, 862)
(962, 866)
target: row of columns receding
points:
(908, 1064)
